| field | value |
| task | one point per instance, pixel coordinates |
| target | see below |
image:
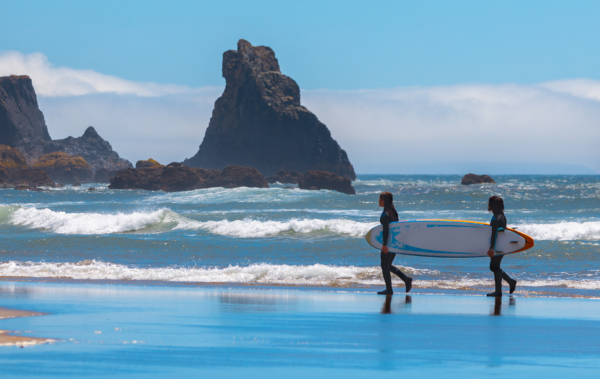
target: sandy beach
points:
(139, 330)
(8, 339)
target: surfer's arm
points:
(495, 225)
(385, 222)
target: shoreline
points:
(531, 292)
(6, 337)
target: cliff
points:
(22, 126)
(21, 121)
(259, 122)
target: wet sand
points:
(133, 330)
(6, 337)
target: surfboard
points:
(448, 239)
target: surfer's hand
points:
(490, 253)
(384, 249)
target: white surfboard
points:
(448, 239)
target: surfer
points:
(498, 223)
(386, 200)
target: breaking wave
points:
(263, 273)
(163, 220)
(563, 231)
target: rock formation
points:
(21, 121)
(64, 168)
(476, 179)
(259, 122)
(11, 160)
(22, 126)
(30, 178)
(317, 180)
(14, 171)
(149, 163)
(285, 177)
(178, 177)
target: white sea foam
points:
(250, 228)
(308, 275)
(563, 231)
(90, 223)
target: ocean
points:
(291, 237)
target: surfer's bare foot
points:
(512, 285)
(385, 292)
(408, 284)
(495, 294)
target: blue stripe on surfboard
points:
(401, 246)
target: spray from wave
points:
(268, 274)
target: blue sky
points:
(321, 44)
(431, 76)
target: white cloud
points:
(549, 127)
(53, 81)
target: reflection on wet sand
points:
(497, 309)
(387, 303)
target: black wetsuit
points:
(388, 258)
(498, 223)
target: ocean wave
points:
(250, 228)
(269, 274)
(164, 220)
(90, 223)
(563, 231)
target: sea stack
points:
(259, 122)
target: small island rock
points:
(476, 179)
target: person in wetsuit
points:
(498, 223)
(389, 214)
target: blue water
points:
(158, 331)
(286, 236)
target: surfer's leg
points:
(512, 283)
(407, 281)
(386, 260)
(495, 268)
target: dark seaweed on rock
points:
(259, 122)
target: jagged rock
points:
(476, 179)
(284, 177)
(149, 163)
(21, 121)
(259, 122)
(11, 160)
(31, 177)
(92, 189)
(96, 151)
(178, 177)
(64, 168)
(317, 180)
